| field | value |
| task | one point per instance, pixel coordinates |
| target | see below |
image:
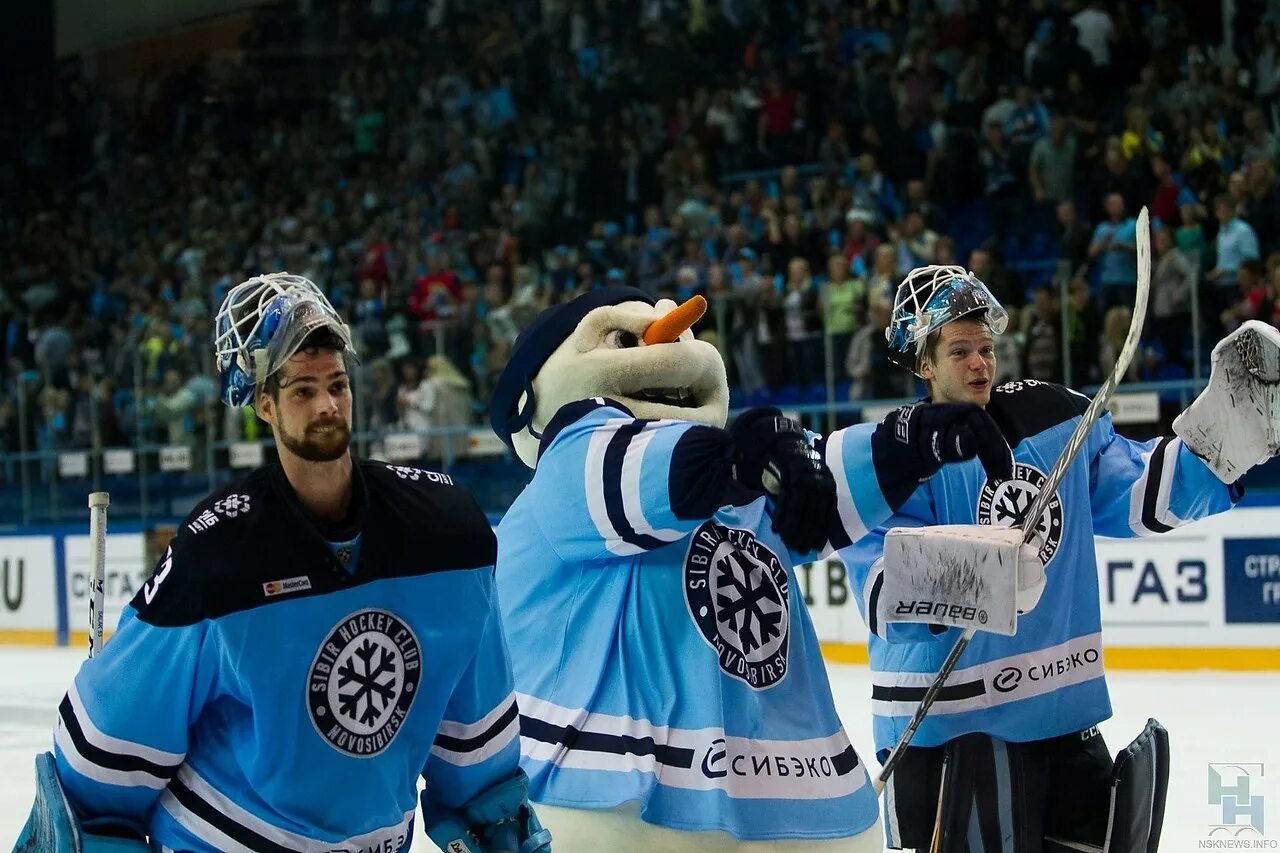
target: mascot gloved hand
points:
(774, 456)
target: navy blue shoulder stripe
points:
(614, 455)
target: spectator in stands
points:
(1190, 236)
(1235, 244)
(1115, 329)
(451, 406)
(1114, 247)
(1174, 282)
(802, 320)
(378, 398)
(999, 182)
(1253, 294)
(1051, 171)
(1074, 238)
(1084, 330)
(414, 398)
(844, 297)
(1097, 33)
(393, 190)
(867, 362)
(1042, 328)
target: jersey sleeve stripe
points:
(86, 767)
(102, 765)
(633, 466)
(615, 503)
(593, 479)
(214, 818)
(1149, 504)
(461, 739)
(197, 815)
(108, 743)
(855, 498)
(874, 582)
(464, 731)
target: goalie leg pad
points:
(1235, 422)
(52, 825)
(1140, 782)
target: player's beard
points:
(314, 446)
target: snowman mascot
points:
(671, 687)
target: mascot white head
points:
(614, 342)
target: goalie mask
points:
(261, 324)
(928, 299)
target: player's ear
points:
(926, 369)
(265, 407)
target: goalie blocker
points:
(1061, 795)
(961, 575)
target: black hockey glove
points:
(913, 442)
(771, 455)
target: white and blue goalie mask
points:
(929, 298)
(261, 324)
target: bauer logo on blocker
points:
(1235, 793)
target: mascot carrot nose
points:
(671, 325)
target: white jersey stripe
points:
(106, 742)
(491, 747)
(632, 471)
(98, 773)
(466, 731)
(1170, 467)
(743, 768)
(854, 527)
(995, 682)
(233, 813)
(593, 477)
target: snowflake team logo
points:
(362, 682)
(736, 591)
(1003, 504)
(232, 505)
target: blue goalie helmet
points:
(261, 324)
(928, 299)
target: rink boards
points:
(1206, 596)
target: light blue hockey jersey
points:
(259, 696)
(1047, 680)
(661, 651)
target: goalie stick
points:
(1031, 520)
(98, 503)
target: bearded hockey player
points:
(316, 637)
(1012, 740)
(671, 689)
